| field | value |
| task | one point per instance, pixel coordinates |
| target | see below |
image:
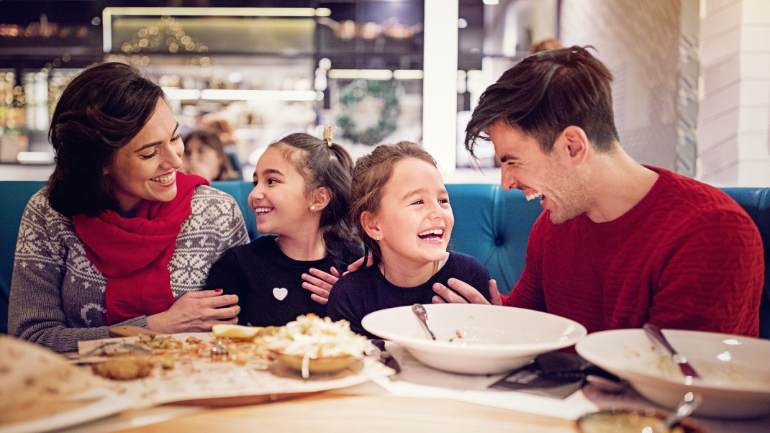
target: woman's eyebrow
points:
(156, 143)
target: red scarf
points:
(133, 253)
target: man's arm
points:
(528, 291)
(712, 278)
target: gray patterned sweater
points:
(57, 294)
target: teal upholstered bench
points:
(490, 224)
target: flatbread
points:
(36, 382)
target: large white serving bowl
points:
(735, 370)
(495, 339)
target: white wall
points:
(639, 41)
(733, 138)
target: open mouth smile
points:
(166, 179)
(432, 235)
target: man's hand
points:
(195, 312)
(460, 292)
(320, 283)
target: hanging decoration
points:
(369, 111)
(167, 35)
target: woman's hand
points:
(320, 283)
(195, 312)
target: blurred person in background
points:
(119, 236)
(546, 45)
(226, 135)
(205, 156)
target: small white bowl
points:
(495, 339)
(735, 371)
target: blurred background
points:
(692, 77)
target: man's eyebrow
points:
(156, 143)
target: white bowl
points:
(495, 339)
(735, 370)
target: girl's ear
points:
(320, 198)
(370, 225)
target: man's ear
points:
(320, 198)
(573, 144)
(370, 225)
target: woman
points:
(119, 236)
(205, 156)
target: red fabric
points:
(687, 256)
(133, 253)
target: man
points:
(618, 244)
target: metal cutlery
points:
(384, 356)
(685, 408)
(422, 317)
(654, 333)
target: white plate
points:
(495, 339)
(108, 403)
(735, 370)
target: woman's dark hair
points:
(547, 92)
(210, 138)
(327, 166)
(100, 111)
(370, 175)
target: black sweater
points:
(268, 282)
(359, 293)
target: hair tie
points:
(328, 135)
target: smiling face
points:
(526, 167)
(145, 168)
(414, 221)
(279, 197)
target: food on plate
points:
(124, 367)
(36, 382)
(459, 336)
(712, 372)
(235, 331)
(627, 421)
(319, 345)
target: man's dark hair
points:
(547, 92)
(99, 112)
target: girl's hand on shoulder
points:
(196, 312)
(359, 263)
(320, 283)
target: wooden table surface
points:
(338, 412)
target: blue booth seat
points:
(490, 224)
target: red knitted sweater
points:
(685, 257)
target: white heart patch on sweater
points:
(280, 293)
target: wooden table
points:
(339, 412)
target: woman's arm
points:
(35, 310)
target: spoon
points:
(422, 317)
(689, 403)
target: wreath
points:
(369, 110)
